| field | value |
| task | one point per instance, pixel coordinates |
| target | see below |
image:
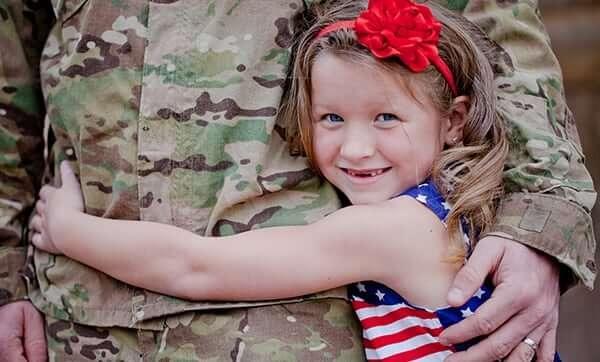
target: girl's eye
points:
(332, 118)
(386, 117)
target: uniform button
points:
(591, 265)
(2, 112)
(139, 314)
(69, 151)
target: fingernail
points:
(455, 295)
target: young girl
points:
(395, 107)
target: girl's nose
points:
(358, 144)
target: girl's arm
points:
(389, 242)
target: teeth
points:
(363, 174)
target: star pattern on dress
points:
(379, 294)
(466, 312)
(422, 198)
(479, 294)
(361, 287)
(428, 195)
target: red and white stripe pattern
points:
(399, 332)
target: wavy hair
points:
(469, 174)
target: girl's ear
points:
(456, 120)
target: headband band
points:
(401, 29)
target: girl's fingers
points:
(41, 242)
(45, 192)
(69, 180)
(36, 239)
(36, 224)
(40, 207)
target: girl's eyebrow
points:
(317, 105)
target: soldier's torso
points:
(168, 111)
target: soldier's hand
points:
(22, 333)
(523, 305)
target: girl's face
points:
(371, 138)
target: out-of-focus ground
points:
(574, 27)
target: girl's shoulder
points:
(420, 202)
(401, 215)
(410, 221)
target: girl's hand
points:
(53, 209)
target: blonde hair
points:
(469, 175)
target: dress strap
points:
(428, 194)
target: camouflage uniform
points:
(166, 110)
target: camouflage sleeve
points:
(23, 28)
(549, 191)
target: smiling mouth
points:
(366, 173)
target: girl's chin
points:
(357, 199)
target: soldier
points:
(167, 110)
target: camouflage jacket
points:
(167, 111)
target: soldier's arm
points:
(23, 29)
(549, 196)
(549, 191)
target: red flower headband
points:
(399, 28)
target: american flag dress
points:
(395, 330)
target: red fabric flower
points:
(400, 28)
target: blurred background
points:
(574, 28)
